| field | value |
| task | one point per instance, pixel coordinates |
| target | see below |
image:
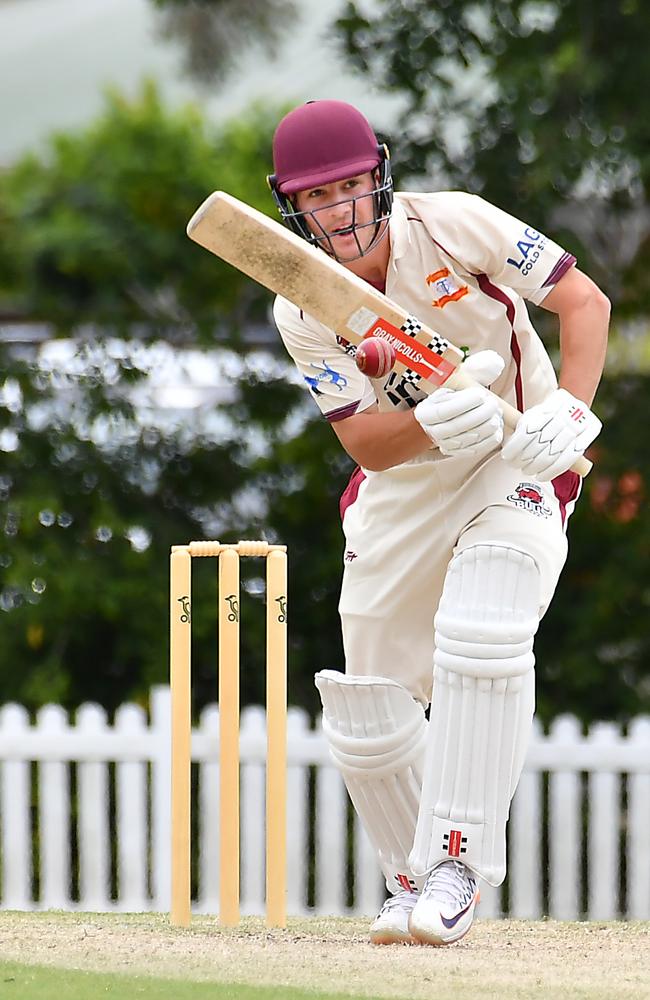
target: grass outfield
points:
(68, 956)
(36, 982)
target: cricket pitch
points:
(497, 960)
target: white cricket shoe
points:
(392, 923)
(445, 909)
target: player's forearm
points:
(378, 441)
(583, 340)
(583, 311)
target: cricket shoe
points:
(392, 923)
(445, 908)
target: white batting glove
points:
(551, 436)
(465, 420)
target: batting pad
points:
(377, 736)
(481, 710)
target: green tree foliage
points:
(215, 33)
(536, 105)
(593, 647)
(95, 231)
(96, 482)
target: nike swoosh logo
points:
(451, 922)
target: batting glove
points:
(465, 420)
(551, 436)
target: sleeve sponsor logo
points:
(528, 251)
(325, 374)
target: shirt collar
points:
(399, 232)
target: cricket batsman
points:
(454, 538)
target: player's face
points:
(344, 211)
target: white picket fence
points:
(84, 818)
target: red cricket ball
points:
(375, 357)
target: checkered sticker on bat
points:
(439, 345)
(412, 326)
(412, 377)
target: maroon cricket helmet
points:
(321, 142)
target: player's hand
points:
(466, 421)
(551, 436)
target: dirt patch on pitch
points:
(498, 960)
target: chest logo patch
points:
(445, 288)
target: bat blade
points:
(284, 263)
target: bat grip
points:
(459, 380)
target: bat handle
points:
(511, 415)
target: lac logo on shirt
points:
(529, 497)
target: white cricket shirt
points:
(463, 267)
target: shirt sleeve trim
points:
(341, 412)
(566, 261)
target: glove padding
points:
(551, 436)
(465, 420)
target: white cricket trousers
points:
(403, 526)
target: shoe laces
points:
(451, 882)
(403, 899)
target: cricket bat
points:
(277, 258)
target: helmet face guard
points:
(307, 225)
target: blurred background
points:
(145, 399)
